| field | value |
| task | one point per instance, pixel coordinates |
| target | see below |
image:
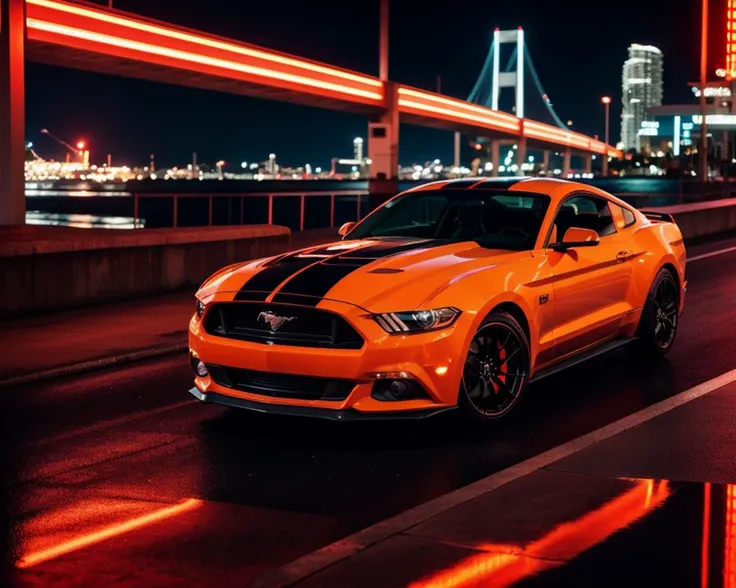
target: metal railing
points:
(243, 197)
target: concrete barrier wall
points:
(703, 219)
(52, 268)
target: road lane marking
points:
(711, 254)
(320, 559)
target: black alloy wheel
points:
(660, 317)
(496, 370)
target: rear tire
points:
(496, 370)
(660, 316)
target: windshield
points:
(496, 219)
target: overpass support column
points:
(545, 161)
(12, 112)
(495, 157)
(566, 155)
(521, 156)
(588, 163)
(383, 151)
(604, 165)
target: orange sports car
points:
(454, 294)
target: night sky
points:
(578, 49)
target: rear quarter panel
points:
(658, 244)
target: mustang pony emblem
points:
(274, 321)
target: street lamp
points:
(606, 100)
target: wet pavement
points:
(118, 478)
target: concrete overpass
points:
(88, 37)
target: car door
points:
(590, 284)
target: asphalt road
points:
(120, 476)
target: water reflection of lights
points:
(82, 221)
(507, 564)
(64, 547)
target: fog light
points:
(198, 366)
(392, 390)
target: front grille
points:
(281, 385)
(301, 326)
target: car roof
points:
(553, 187)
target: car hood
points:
(376, 274)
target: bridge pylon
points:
(511, 79)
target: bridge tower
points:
(508, 79)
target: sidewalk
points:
(66, 342)
(646, 502)
(108, 333)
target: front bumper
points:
(433, 359)
(318, 413)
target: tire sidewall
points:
(647, 322)
(464, 403)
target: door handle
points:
(623, 255)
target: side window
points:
(629, 217)
(585, 212)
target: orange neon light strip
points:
(455, 114)
(60, 549)
(204, 41)
(196, 58)
(495, 114)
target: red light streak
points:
(196, 58)
(204, 41)
(730, 38)
(729, 564)
(509, 563)
(105, 533)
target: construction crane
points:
(75, 150)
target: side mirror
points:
(345, 229)
(576, 237)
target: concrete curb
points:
(95, 364)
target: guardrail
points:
(241, 198)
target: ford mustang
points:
(454, 294)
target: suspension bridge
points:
(518, 71)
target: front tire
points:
(660, 318)
(496, 370)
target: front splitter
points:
(316, 412)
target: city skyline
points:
(123, 116)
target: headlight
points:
(200, 308)
(416, 321)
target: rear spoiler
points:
(658, 216)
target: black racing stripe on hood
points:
(265, 281)
(320, 278)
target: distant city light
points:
(29, 145)
(80, 145)
(272, 156)
(605, 100)
(244, 164)
(318, 170)
(569, 123)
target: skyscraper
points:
(642, 88)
